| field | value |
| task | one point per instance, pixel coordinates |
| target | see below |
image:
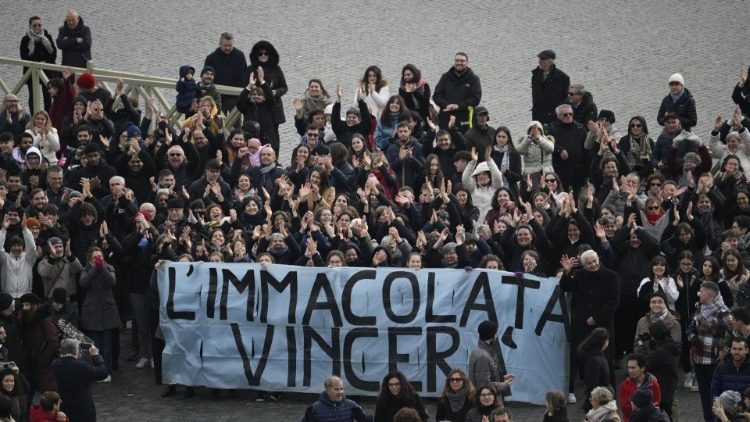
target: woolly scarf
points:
(600, 413)
(314, 103)
(656, 228)
(658, 317)
(35, 38)
(267, 169)
(505, 161)
(640, 148)
(457, 399)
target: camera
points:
(7, 365)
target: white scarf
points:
(34, 38)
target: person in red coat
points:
(637, 379)
(48, 409)
(62, 92)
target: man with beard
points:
(95, 169)
(458, 89)
(597, 295)
(41, 339)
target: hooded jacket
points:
(274, 76)
(16, 275)
(187, 90)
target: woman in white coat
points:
(536, 150)
(482, 180)
(45, 136)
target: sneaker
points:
(170, 391)
(261, 397)
(572, 398)
(108, 379)
(151, 362)
(694, 387)
(688, 382)
(142, 362)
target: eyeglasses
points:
(566, 114)
(635, 125)
(175, 154)
(486, 395)
(457, 379)
(550, 180)
(655, 184)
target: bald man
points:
(74, 40)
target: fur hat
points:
(86, 81)
(607, 114)
(487, 330)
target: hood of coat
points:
(273, 59)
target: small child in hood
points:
(187, 91)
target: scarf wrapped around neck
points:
(457, 399)
(505, 161)
(35, 38)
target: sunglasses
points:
(262, 53)
(566, 114)
(456, 379)
(635, 125)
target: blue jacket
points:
(325, 410)
(727, 377)
(187, 90)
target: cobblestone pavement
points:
(623, 51)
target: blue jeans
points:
(103, 341)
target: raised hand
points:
(566, 263)
(474, 154)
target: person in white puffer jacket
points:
(737, 142)
(16, 267)
(482, 180)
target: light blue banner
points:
(286, 328)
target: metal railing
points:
(148, 87)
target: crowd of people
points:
(647, 230)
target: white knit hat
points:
(677, 78)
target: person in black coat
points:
(396, 393)
(584, 108)
(458, 397)
(37, 46)
(594, 363)
(74, 377)
(256, 102)
(458, 89)
(679, 101)
(569, 159)
(74, 40)
(597, 295)
(230, 68)
(358, 120)
(662, 361)
(264, 54)
(549, 88)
